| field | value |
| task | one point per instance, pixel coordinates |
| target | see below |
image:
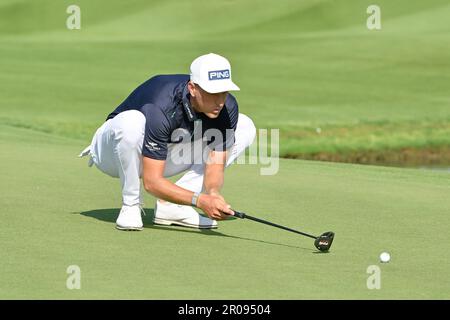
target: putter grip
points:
(239, 214)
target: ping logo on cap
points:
(219, 74)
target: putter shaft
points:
(242, 215)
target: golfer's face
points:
(210, 103)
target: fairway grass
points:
(301, 65)
(56, 212)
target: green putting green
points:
(57, 212)
(301, 65)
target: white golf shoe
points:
(130, 218)
(174, 214)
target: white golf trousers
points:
(116, 150)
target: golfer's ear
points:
(192, 89)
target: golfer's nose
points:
(221, 99)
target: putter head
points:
(324, 241)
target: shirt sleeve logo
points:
(219, 74)
(152, 146)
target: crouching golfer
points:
(168, 125)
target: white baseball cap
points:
(212, 73)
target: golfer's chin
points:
(213, 114)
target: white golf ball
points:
(385, 257)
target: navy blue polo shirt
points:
(164, 101)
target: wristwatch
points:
(195, 198)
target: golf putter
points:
(322, 242)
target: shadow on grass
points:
(110, 215)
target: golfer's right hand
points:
(214, 206)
